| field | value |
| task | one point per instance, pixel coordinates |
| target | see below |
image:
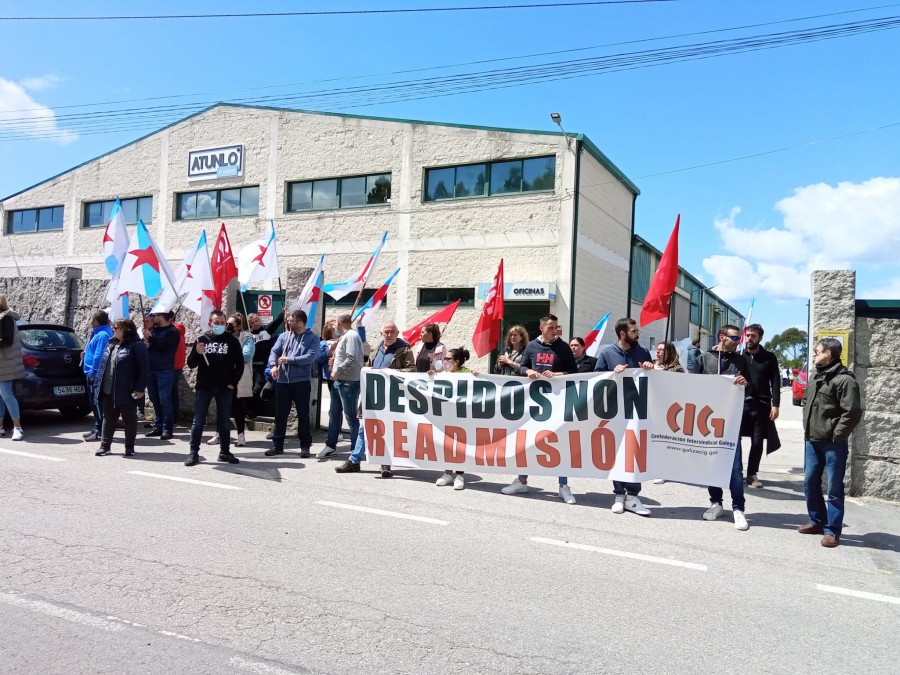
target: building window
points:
(233, 202)
(535, 174)
(438, 297)
(35, 220)
(339, 193)
(350, 299)
(97, 214)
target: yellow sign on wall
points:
(842, 336)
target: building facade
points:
(454, 200)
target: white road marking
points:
(865, 595)
(60, 612)
(379, 512)
(185, 480)
(258, 667)
(622, 554)
(32, 455)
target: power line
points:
(465, 63)
(345, 12)
(416, 89)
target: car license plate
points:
(68, 391)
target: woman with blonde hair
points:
(12, 368)
(511, 358)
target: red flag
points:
(659, 295)
(441, 316)
(487, 332)
(223, 267)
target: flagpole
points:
(358, 296)
(669, 316)
(243, 302)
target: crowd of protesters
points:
(240, 363)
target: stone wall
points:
(874, 358)
(876, 452)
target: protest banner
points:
(632, 426)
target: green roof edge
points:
(591, 148)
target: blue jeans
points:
(830, 458)
(97, 408)
(202, 399)
(159, 386)
(335, 416)
(735, 485)
(359, 448)
(286, 395)
(348, 394)
(8, 400)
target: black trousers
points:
(286, 395)
(757, 426)
(111, 414)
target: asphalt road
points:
(270, 566)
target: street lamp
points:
(557, 120)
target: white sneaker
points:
(3, 431)
(327, 451)
(659, 481)
(740, 521)
(214, 440)
(18, 434)
(633, 504)
(444, 480)
(565, 493)
(713, 512)
(241, 441)
(459, 482)
(515, 488)
(619, 505)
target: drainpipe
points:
(630, 257)
(578, 147)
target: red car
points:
(798, 388)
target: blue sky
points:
(754, 227)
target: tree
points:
(790, 347)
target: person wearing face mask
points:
(162, 343)
(219, 361)
(242, 395)
(291, 362)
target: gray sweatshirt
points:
(348, 357)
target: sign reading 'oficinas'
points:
(216, 163)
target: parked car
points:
(54, 379)
(798, 388)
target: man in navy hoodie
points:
(291, 361)
(162, 343)
(101, 332)
(219, 361)
(546, 356)
(625, 353)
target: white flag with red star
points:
(259, 260)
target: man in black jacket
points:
(832, 412)
(546, 356)
(723, 359)
(219, 361)
(763, 406)
(162, 343)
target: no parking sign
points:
(264, 305)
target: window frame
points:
(489, 164)
(453, 294)
(288, 192)
(86, 206)
(10, 216)
(179, 213)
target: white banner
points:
(633, 426)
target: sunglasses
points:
(733, 338)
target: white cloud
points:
(21, 114)
(40, 83)
(825, 227)
(888, 291)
